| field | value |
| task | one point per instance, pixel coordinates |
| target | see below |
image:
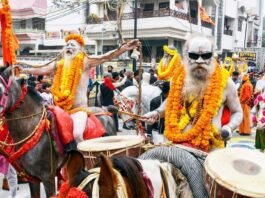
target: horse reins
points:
(121, 189)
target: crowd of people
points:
(191, 105)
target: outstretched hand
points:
(150, 117)
(132, 44)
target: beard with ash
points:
(70, 52)
(197, 77)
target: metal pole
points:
(135, 29)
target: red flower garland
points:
(67, 192)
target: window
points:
(164, 5)
(23, 24)
(239, 25)
(38, 23)
(149, 7)
(194, 12)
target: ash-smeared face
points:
(71, 49)
(200, 58)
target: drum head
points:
(110, 143)
(239, 170)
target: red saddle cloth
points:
(64, 124)
(94, 128)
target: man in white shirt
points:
(260, 85)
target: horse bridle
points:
(94, 175)
(4, 98)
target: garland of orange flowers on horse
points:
(203, 134)
(66, 81)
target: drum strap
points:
(121, 190)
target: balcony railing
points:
(206, 24)
(228, 32)
(150, 14)
(28, 30)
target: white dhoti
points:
(79, 121)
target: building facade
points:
(41, 26)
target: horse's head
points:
(129, 105)
(103, 182)
(9, 89)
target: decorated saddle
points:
(93, 129)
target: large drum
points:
(235, 172)
(129, 145)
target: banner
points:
(249, 56)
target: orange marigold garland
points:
(203, 134)
(66, 81)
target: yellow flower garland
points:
(232, 66)
(243, 69)
(167, 73)
(203, 134)
(66, 81)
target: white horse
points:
(127, 101)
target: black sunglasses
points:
(204, 56)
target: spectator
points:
(137, 78)
(115, 77)
(154, 104)
(122, 73)
(235, 78)
(146, 78)
(260, 85)
(106, 95)
(246, 92)
(32, 82)
(129, 81)
(46, 94)
(89, 88)
(253, 79)
(110, 69)
(153, 79)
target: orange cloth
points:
(203, 14)
(9, 41)
(246, 92)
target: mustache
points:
(199, 66)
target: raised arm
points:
(49, 69)
(93, 60)
(118, 84)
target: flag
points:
(9, 40)
(204, 16)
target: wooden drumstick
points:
(131, 114)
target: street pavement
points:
(237, 139)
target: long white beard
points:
(67, 61)
(69, 58)
(193, 86)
